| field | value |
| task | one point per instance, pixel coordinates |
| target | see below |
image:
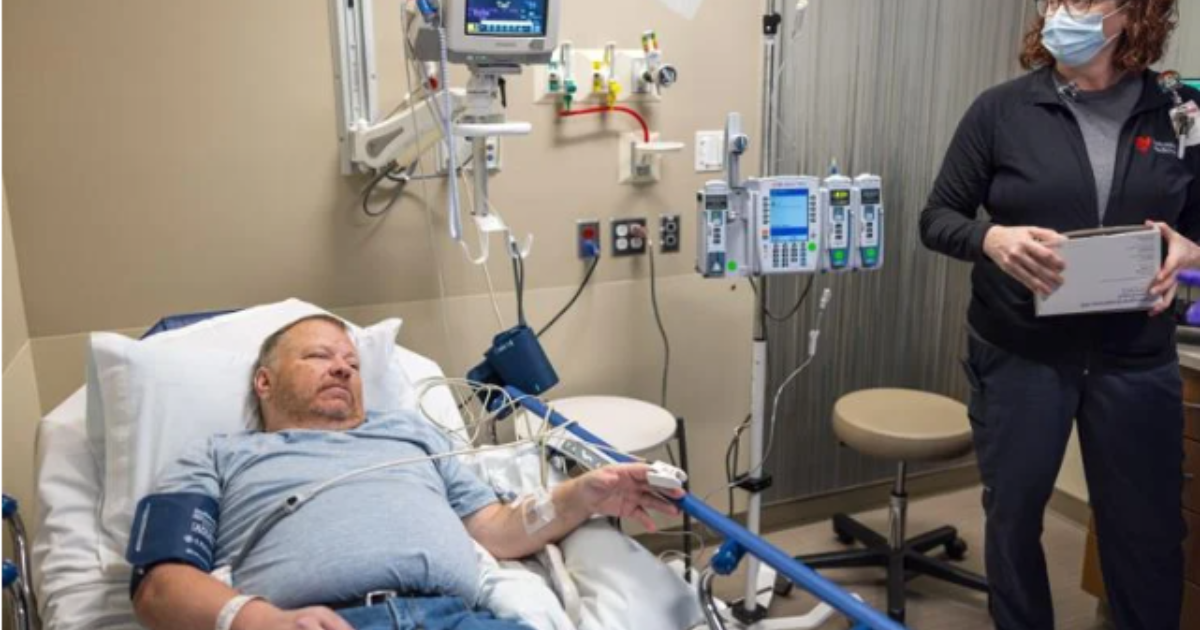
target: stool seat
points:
(903, 424)
(630, 425)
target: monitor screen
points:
(789, 215)
(507, 18)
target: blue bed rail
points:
(738, 540)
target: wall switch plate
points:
(710, 151)
(587, 238)
(669, 236)
(625, 243)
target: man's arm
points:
(620, 491)
(172, 589)
(182, 597)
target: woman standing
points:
(1085, 140)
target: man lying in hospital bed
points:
(329, 509)
(147, 402)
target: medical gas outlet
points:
(604, 76)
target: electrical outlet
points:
(624, 238)
(587, 238)
(669, 233)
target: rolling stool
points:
(908, 426)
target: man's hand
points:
(624, 492)
(621, 491)
(1182, 254)
(1027, 254)
(259, 615)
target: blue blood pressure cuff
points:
(179, 528)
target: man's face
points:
(313, 381)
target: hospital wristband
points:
(230, 610)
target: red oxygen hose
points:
(601, 110)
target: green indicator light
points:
(733, 266)
(812, 247)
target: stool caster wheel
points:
(783, 586)
(956, 549)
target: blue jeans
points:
(425, 613)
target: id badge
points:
(1192, 111)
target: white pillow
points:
(155, 399)
(243, 332)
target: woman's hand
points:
(1182, 254)
(1027, 254)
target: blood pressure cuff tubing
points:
(179, 528)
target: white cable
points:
(813, 336)
(524, 251)
(448, 130)
(482, 261)
(485, 246)
(297, 500)
(697, 555)
(487, 275)
(409, 59)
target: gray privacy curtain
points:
(880, 85)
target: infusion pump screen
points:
(507, 18)
(789, 215)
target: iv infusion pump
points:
(868, 201)
(790, 225)
(787, 232)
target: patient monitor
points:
(515, 31)
(493, 38)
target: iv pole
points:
(750, 611)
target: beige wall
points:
(202, 148)
(1071, 479)
(21, 406)
(200, 143)
(16, 330)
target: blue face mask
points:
(1075, 41)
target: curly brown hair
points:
(1147, 32)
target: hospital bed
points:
(600, 581)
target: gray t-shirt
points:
(400, 528)
(1101, 114)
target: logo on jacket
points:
(1144, 144)
(1166, 148)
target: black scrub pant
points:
(1131, 433)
